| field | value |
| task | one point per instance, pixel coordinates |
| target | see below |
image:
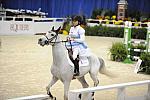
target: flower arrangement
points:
(114, 17)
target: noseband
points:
(51, 39)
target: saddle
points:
(83, 61)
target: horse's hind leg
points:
(95, 79)
(83, 82)
(53, 81)
(84, 85)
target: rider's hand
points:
(70, 39)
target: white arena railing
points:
(74, 94)
(32, 97)
(114, 23)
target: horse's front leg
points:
(53, 81)
(66, 89)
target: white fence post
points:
(121, 93)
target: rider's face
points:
(75, 23)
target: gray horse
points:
(61, 68)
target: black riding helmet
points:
(77, 18)
(81, 20)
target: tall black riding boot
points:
(76, 70)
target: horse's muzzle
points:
(40, 42)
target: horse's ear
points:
(52, 28)
(58, 30)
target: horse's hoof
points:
(51, 96)
(54, 98)
(79, 96)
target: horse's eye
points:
(52, 34)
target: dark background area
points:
(63, 8)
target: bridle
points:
(52, 38)
(53, 43)
(70, 52)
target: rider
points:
(77, 42)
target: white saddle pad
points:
(83, 62)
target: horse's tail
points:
(104, 70)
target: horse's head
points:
(49, 38)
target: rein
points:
(70, 51)
(55, 37)
(51, 39)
